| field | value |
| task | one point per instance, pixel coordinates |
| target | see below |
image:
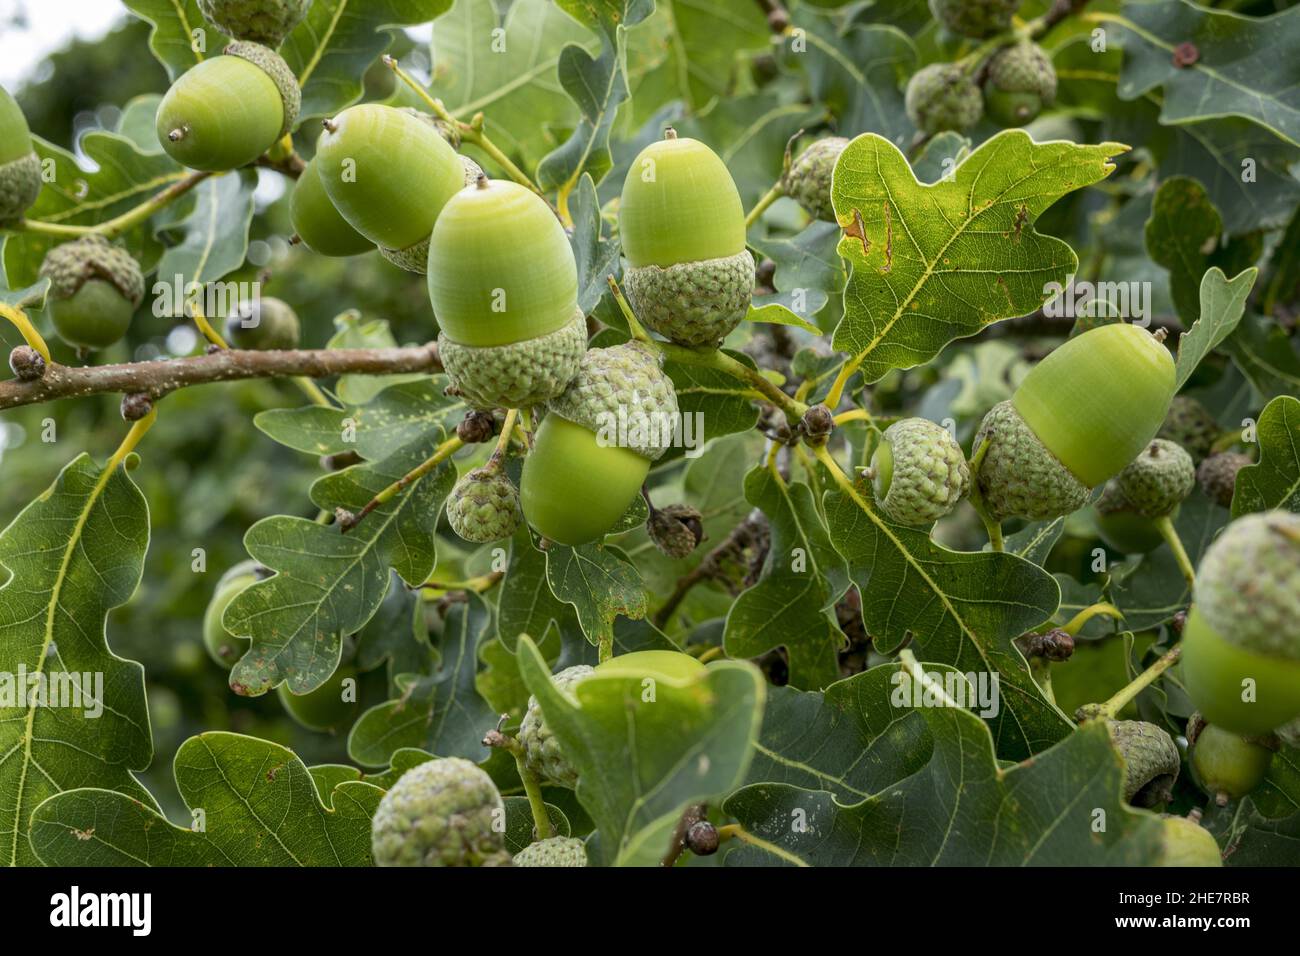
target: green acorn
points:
(483, 506)
(808, 180)
(689, 276)
(542, 751)
(1157, 481)
(317, 223)
(389, 174)
(1120, 525)
(444, 812)
(262, 21)
(975, 18)
(942, 97)
(919, 472)
(1151, 761)
(1217, 476)
(1226, 765)
(1020, 82)
(95, 288)
(230, 109)
(20, 167)
(223, 647)
(594, 447)
(1187, 843)
(1191, 425)
(263, 323)
(1241, 641)
(1079, 416)
(323, 710)
(557, 851)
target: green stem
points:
(1226, 440)
(541, 819)
(1167, 531)
(633, 323)
(734, 831)
(312, 391)
(18, 318)
(991, 527)
(441, 454)
(1140, 683)
(1076, 623)
(111, 228)
(760, 207)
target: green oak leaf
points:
(959, 608)
(329, 584)
(1250, 837)
(1267, 355)
(1223, 302)
(600, 583)
(774, 310)
(213, 238)
(596, 256)
(712, 404)
(353, 332)
(793, 604)
(934, 263)
(1273, 482)
(1034, 542)
(525, 604)
(1062, 808)
(808, 270)
(707, 41)
(397, 636)
(260, 806)
(178, 27)
(66, 560)
(646, 750)
(440, 712)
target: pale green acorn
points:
(557, 851)
(483, 506)
(975, 18)
(1020, 82)
(262, 21)
(444, 812)
(1156, 481)
(1151, 761)
(919, 472)
(1187, 843)
(808, 180)
(542, 751)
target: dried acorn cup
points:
(317, 224)
(263, 323)
(688, 276)
(262, 21)
(230, 109)
(584, 470)
(1078, 418)
(20, 168)
(94, 290)
(504, 287)
(388, 174)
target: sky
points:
(46, 25)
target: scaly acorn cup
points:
(323, 710)
(262, 21)
(1151, 761)
(1079, 416)
(542, 753)
(20, 167)
(1020, 82)
(1241, 641)
(504, 287)
(808, 180)
(223, 647)
(689, 276)
(942, 97)
(388, 174)
(1226, 765)
(484, 506)
(263, 323)
(919, 472)
(94, 290)
(443, 812)
(1217, 476)
(1191, 425)
(317, 224)
(1121, 527)
(594, 447)
(975, 18)
(1157, 481)
(230, 109)
(557, 851)
(1187, 843)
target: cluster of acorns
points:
(1012, 85)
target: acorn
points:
(263, 323)
(1156, 481)
(808, 180)
(1077, 419)
(688, 274)
(20, 167)
(975, 18)
(1241, 641)
(1187, 843)
(223, 647)
(95, 288)
(1217, 476)
(1190, 424)
(942, 97)
(1019, 83)
(323, 710)
(504, 287)
(1120, 525)
(594, 447)
(1226, 765)
(262, 21)
(317, 224)
(483, 506)
(1151, 761)
(230, 109)
(919, 472)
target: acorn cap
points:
(483, 506)
(808, 180)
(679, 204)
(1191, 425)
(622, 395)
(942, 97)
(262, 21)
(1151, 761)
(542, 751)
(20, 184)
(1098, 399)
(1019, 475)
(920, 472)
(1217, 476)
(444, 812)
(1156, 481)
(519, 375)
(556, 851)
(414, 258)
(1248, 584)
(71, 265)
(692, 303)
(273, 65)
(1023, 68)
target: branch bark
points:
(158, 378)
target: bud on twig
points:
(817, 424)
(676, 530)
(27, 363)
(136, 406)
(476, 427)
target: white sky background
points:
(49, 25)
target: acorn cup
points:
(504, 287)
(262, 21)
(1122, 527)
(1156, 481)
(1079, 417)
(95, 288)
(20, 167)
(595, 446)
(942, 97)
(389, 174)
(228, 110)
(484, 506)
(918, 472)
(317, 224)
(688, 276)
(808, 179)
(1020, 82)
